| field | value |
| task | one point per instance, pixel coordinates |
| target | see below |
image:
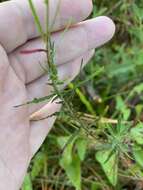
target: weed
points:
(103, 149)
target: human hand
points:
(22, 79)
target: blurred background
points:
(108, 155)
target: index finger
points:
(17, 24)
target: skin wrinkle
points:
(67, 45)
(25, 25)
(4, 66)
(44, 129)
(10, 22)
(23, 20)
(77, 9)
(29, 26)
(26, 60)
(62, 19)
(73, 47)
(10, 172)
(87, 37)
(102, 30)
(58, 16)
(2, 78)
(17, 67)
(63, 16)
(9, 150)
(76, 48)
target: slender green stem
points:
(36, 18)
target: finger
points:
(41, 128)
(17, 15)
(66, 72)
(72, 44)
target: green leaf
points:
(121, 106)
(95, 186)
(109, 165)
(137, 12)
(81, 145)
(62, 141)
(138, 154)
(83, 99)
(67, 155)
(38, 165)
(137, 89)
(27, 185)
(137, 133)
(139, 108)
(66, 142)
(73, 171)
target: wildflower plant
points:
(113, 141)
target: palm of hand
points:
(15, 149)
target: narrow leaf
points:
(110, 167)
(137, 133)
(81, 145)
(138, 155)
(27, 185)
(38, 165)
(73, 171)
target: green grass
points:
(109, 155)
(111, 106)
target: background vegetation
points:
(109, 154)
